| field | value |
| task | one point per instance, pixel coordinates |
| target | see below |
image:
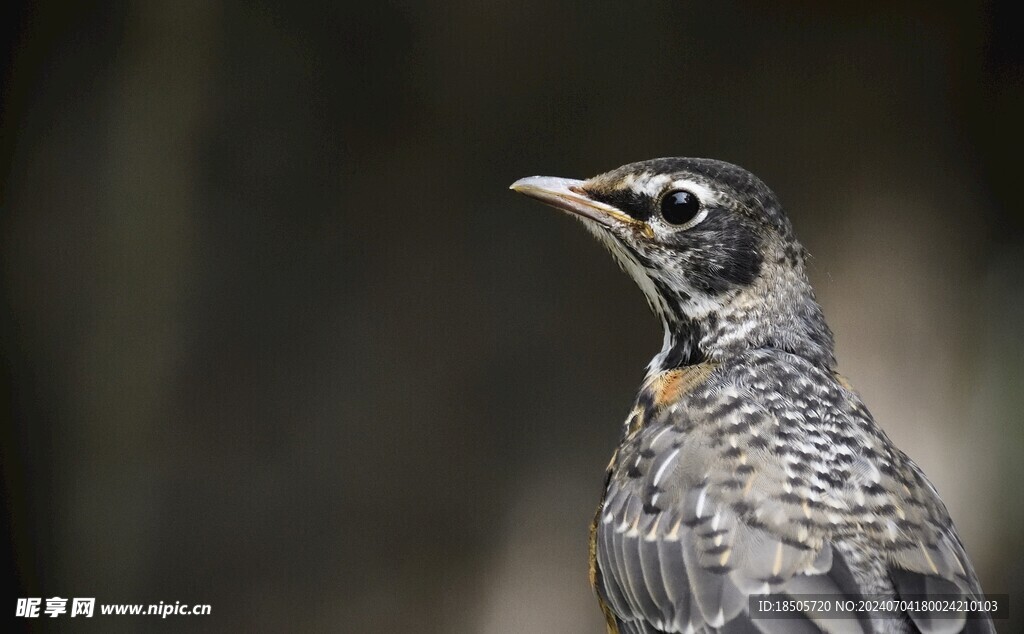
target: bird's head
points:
(710, 247)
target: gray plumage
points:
(747, 465)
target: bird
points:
(748, 468)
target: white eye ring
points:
(696, 220)
(681, 209)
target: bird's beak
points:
(568, 195)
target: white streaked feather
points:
(664, 465)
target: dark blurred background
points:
(276, 337)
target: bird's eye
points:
(680, 207)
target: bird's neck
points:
(778, 311)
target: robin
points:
(750, 477)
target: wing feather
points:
(749, 490)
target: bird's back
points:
(760, 474)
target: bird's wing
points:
(926, 557)
(676, 555)
(697, 518)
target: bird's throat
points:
(680, 346)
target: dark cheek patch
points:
(723, 253)
(744, 263)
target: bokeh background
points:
(276, 337)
